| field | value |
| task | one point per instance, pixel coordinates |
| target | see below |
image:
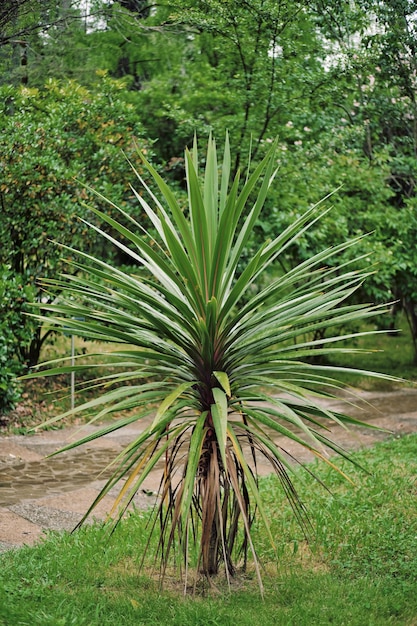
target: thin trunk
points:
(211, 567)
(210, 536)
(410, 309)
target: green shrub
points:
(16, 330)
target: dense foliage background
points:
(81, 83)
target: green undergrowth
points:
(359, 568)
(45, 397)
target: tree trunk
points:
(210, 486)
(410, 309)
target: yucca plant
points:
(222, 367)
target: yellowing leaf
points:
(169, 400)
(223, 379)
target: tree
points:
(375, 52)
(48, 139)
(243, 66)
(215, 370)
(62, 38)
(25, 28)
(16, 331)
(10, 13)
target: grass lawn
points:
(359, 569)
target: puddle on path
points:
(38, 479)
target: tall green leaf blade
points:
(179, 218)
(211, 195)
(168, 401)
(200, 226)
(266, 169)
(225, 175)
